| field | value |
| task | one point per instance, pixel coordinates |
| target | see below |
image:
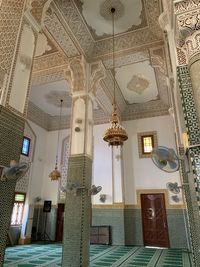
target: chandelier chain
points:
(58, 138)
(113, 45)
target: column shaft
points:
(191, 181)
(77, 213)
(11, 133)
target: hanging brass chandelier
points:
(115, 135)
(55, 174)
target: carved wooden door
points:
(154, 221)
(60, 222)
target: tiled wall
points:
(128, 229)
(114, 218)
(126, 225)
(11, 133)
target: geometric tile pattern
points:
(77, 212)
(22, 184)
(191, 187)
(64, 166)
(100, 256)
(11, 133)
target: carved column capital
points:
(38, 9)
(97, 73)
(187, 24)
(192, 44)
(77, 66)
(187, 19)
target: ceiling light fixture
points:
(55, 174)
(115, 135)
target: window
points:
(25, 146)
(18, 209)
(146, 142)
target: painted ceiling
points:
(75, 27)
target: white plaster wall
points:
(50, 188)
(102, 164)
(138, 173)
(36, 182)
(142, 173)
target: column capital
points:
(97, 73)
(38, 9)
(77, 67)
(187, 26)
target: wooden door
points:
(154, 221)
(60, 222)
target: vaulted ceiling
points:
(84, 27)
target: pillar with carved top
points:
(76, 239)
(188, 53)
(18, 35)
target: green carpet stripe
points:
(49, 255)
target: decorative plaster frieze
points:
(97, 73)
(132, 112)
(11, 15)
(49, 61)
(192, 44)
(122, 60)
(48, 76)
(185, 5)
(102, 47)
(78, 74)
(136, 39)
(187, 23)
(76, 25)
(51, 123)
(162, 84)
(59, 33)
(147, 110)
(38, 9)
(38, 116)
(181, 56)
(157, 56)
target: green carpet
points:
(49, 255)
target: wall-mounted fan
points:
(74, 188)
(95, 189)
(173, 187)
(165, 159)
(15, 171)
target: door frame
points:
(165, 212)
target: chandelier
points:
(115, 135)
(55, 174)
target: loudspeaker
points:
(47, 206)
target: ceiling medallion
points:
(106, 6)
(53, 98)
(138, 84)
(116, 134)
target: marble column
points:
(76, 239)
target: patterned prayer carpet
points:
(49, 255)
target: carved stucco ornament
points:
(78, 75)
(138, 84)
(187, 32)
(105, 9)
